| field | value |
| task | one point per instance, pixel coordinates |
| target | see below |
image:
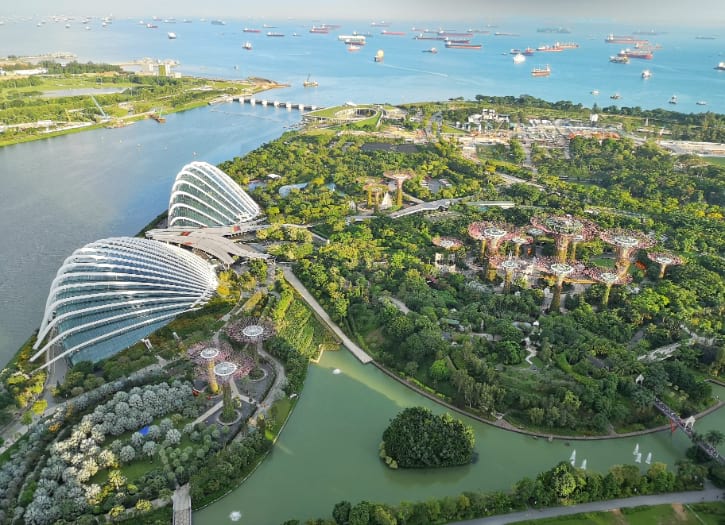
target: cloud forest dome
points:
(113, 292)
(205, 196)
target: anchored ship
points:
(541, 71)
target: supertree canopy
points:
(375, 191)
(491, 235)
(399, 177)
(519, 239)
(447, 243)
(561, 272)
(565, 230)
(625, 244)
(608, 279)
(209, 357)
(509, 266)
(664, 260)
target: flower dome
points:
(111, 293)
(205, 196)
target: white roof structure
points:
(113, 292)
(204, 196)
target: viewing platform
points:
(274, 103)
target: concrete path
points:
(710, 494)
(181, 500)
(358, 352)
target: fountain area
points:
(328, 452)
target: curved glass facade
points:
(111, 293)
(205, 196)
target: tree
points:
(127, 454)
(149, 448)
(714, 437)
(341, 512)
(116, 479)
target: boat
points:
(247, 45)
(673, 100)
(501, 33)
(720, 66)
(541, 71)
(379, 56)
(619, 59)
(385, 32)
(449, 34)
(310, 83)
(615, 96)
(272, 33)
(645, 54)
(67, 26)
(431, 50)
(251, 30)
(529, 51)
(320, 30)
(171, 35)
(422, 36)
(379, 24)
(594, 92)
(462, 45)
(218, 23)
(352, 39)
(646, 74)
(353, 48)
(515, 51)
(705, 37)
(152, 26)
(553, 30)
(701, 103)
(519, 58)
(619, 39)
(549, 49)
(567, 45)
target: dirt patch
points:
(619, 519)
(680, 512)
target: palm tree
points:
(714, 437)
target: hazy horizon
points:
(646, 13)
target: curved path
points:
(709, 494)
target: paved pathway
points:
(322, 315)
(181, 500)
(710, 494)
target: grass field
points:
(720, 161)
(697, 514)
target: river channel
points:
(329, 452)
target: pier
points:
(274, 103)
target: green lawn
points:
(697, 514)
(720, 161)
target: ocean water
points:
(684, 66)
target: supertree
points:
(608, 279)
(225, 372)
(254, 330)
(399, 177)
(561, 271)
(375, 192)
(625, 243)
(209, 356)
(565, 229)
(509, 266)
(519, 239)
(448, 243)
(664, 260)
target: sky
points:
(648, 12)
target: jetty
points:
(275, 103)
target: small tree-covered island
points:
(417, 438)
(508, 258)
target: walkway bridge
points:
(686, 426)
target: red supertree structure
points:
(561, 272)
(608, 279)
(509, 266)
(492, 235)
(664, 260)
(625, 243)
(519, 238)
(566, 230)
(399, 177)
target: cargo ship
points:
(622, 39)
(553, 30)
(541, 71)
(529, 51)
(251, 30)
(567, 45)
(218, 23)
(462, 45)
(319, 30)
(310, 83)
(619, 60)
(392, 33)
(549, 49)
(449, 34)
(423, 36)
(270, 33)
(644, 54)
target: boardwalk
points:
(322, 316)
(181, 500)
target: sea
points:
(61, 193)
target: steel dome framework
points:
(113, 292)
(204, 196)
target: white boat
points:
(701, 103)
(594, 92)
(247, 46)
(172, 36)
(673, 100)
(519, 58)
(646, 74)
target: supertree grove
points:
(566, 230)
(664, 260)
(625, 244)
(509, 266)
(207, 357)
(519, 239)
(399, 177)
(561, 272)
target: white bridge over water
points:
(274, 103)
